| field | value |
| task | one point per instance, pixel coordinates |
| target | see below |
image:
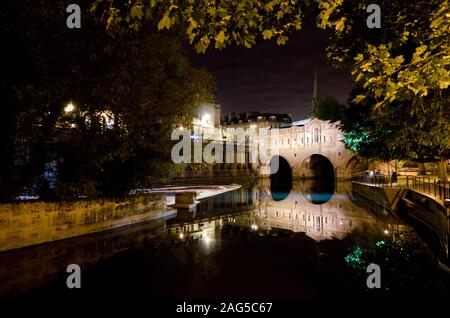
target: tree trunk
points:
(421, 169)
(442, 169)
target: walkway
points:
(430, 186)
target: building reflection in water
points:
(308, 207)
(250, 209)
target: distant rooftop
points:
(236, 118)
(302, 122)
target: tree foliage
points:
(205, 22)
(405, 59)
(329, 108)
(408, 267)
(398, 131)
(128, 93)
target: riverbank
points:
(29, 223)
(424, 213)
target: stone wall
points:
(429, 218)
(29, 223)
(375, 195)
(425, 215)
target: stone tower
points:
(315, 97)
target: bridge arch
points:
(280, 178)
(355, 164)
(316, 166)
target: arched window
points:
(316, 135)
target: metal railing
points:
(440, 189)
(380, 179)
(431, 186)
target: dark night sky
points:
(272, 78)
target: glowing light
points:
(207, 239)
(181, 236)
(108, 119)
(386, 232)
(206, 118)
(254, 227)
(69, 108)
(252, 126)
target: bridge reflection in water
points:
(163, 253)
(308, 207)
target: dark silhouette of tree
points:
(128, 92)
(329, 108)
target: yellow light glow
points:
(69, 108)
(181, 236)
(386, 232)
(206, 118)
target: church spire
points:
(315, 97)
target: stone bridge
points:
(314, 148)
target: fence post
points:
(445, 191)
(434, 187)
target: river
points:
(256, 241)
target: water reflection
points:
(213, 227)
(33, 267)
(317, 191)
(333, 218)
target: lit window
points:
(206, 118)
(316, 135)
